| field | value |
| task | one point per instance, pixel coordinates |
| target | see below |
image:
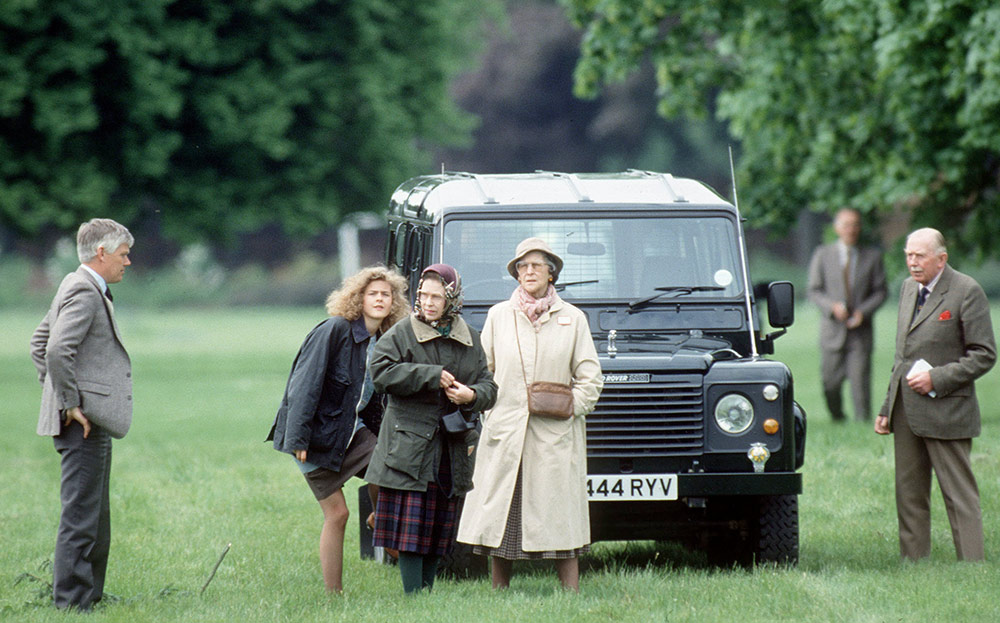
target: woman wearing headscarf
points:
(530, 498)
(429, 365)
(329, 415)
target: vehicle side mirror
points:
(781, 304)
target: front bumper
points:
(715, 484)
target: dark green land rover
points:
(696, 436)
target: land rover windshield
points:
(626, 259)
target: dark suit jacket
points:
(826, 288)
(80, 358)
(953, 333)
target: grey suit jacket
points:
(80, 358)
(953, 332)
(826, 288)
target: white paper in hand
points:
(921, 365)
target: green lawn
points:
(195, 475)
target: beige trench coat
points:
(552, 453)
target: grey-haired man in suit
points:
(847, 283)
(86, 379)
(944, 342)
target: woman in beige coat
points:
(529, 499)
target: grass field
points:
(195, 475)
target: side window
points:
(414, 252)
(398, 248)
(391, 259)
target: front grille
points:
(657, 419)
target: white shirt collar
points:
(930, 286)
(844, 251)
(101, 283)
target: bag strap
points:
(524, 373)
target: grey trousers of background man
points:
(853, 362)
(84, 537)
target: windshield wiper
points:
(562, 286)
(676, 290)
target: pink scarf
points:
(533, 308)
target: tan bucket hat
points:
(528, 245)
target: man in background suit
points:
(86, 379)
(847, 283)
(944, 319)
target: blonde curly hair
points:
(348, 300)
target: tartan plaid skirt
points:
(421, 522)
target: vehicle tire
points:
(776, 537)
(461, 563)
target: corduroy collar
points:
(425, 333)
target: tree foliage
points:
(884, 106)
(529, 119)
(216, 117)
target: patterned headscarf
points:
(449, 278)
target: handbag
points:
(454, 423)
(552, 400)
(545, 399)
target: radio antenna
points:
(743, 258)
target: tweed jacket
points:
(81, 361)
(953, 333)
(826, 288)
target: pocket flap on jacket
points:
(407, 451)
(94, 387)
(421, 429)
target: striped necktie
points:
(848, 298)
(921, 299)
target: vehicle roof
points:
(427, 197)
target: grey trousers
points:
(84, 537)
(851, 362)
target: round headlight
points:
(734, 413)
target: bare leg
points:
(331, 541)
(569, 573)
(500, 569)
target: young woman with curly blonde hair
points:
(330, 414)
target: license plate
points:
(608, 488)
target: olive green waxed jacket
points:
(406, 366)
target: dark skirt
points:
(420, 522)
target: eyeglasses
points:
(535, 266)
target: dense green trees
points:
(880, 105)
(213, 117)
(529, 118)
(207, 118)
